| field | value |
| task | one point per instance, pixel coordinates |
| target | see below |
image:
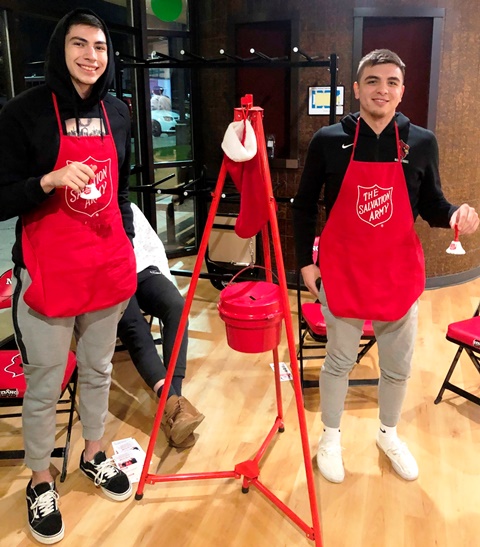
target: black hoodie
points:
(327, 161)
(29, 137)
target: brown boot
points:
(179, 420)
(187, 443)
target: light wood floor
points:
(372, 508)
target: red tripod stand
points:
(248, 470)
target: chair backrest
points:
(6, 289)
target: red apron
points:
(371, 259)
(75, 247)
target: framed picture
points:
(319, 100)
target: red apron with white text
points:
(75, 247)
(371, 260)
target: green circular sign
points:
(167, 10)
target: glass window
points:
(155, 23)
(125, 89)
(34, 33)
(175, 211)
(5, 83)
(170, 104)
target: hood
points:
(57, 76)
(349, 123)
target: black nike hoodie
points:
(327, 160)
(29, 137)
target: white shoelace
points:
(398, 449)
(331, 449)
(45, 504)
(105, 470)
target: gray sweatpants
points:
(44, 343)
(396, 341)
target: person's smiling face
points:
(86, 56)
(379, 90)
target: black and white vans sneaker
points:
(103, 472)
(44, 518)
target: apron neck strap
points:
(399, 148)
(59, 121)
(107, 121)
(397, 138)
(57, 114)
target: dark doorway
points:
(270, 86)
(415, 34)
(411, 39)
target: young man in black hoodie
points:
(378, 172)
(64, 166)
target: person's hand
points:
(310, 275)
(75, 175)
(466, 219)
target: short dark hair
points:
(380, 57)
(84, 19)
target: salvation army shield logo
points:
(374, 204)
(97, 194)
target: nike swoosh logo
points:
(382, 430)
(347, 145)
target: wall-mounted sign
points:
(319, 100)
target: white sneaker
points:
(329, 461)
(398, 453)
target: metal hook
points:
(260, 54)
(236, 57)
(266, 57)
(192, 55)
(127, 56)
(296, 49)
(199, 57)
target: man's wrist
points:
(46, 184)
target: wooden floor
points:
(372, 508)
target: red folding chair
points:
(12, 391)
(6, 290)
(6, 325)
(466, 334)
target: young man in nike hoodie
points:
(64, 166)
(378, 172)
